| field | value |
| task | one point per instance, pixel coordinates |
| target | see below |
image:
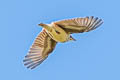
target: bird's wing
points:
(79, 25)
(41, 48)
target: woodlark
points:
(59, 31)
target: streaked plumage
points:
(59, 31)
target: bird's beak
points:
(45, 26)
(71, 38)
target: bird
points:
(57, 32)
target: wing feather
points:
(41, 48)
(79, 25)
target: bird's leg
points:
(56, 27)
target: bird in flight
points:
(58, 31)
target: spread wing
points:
(79, 25)
(41, 48)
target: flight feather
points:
(41, 48)
(79, 25)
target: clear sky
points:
(94, 56)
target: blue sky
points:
(94, 56)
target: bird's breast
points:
(59, 36)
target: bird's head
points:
(71, 38)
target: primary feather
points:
(41, 48)
(79, 25)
